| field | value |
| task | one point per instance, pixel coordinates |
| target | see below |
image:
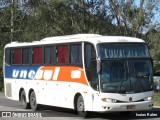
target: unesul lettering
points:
(41, 74)
(23, 74)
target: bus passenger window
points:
(62, 54)
(75, 54)
(8, 56)
(16, 56)
(94, 78)
(49, 55)
(37, 55)
(26, 55)
(90, 55)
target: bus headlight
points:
(109, 100)
(148, 98)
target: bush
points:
(156, 68)
(156, 99)
(156, 83)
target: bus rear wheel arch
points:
(22, 98)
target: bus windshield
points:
(120, 50)
(126, 68)
(122, 76)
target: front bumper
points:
(130, 106)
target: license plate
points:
(131, 107)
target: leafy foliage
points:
(157, 99)
(36, 19)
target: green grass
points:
(157, 99)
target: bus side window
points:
(26, 55)
(94, 78)
(8, 56)
(89, 54)
(49, 55)
(16, 59)
(62, 54)
(76, 53)
(37, 55)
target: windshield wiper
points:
(119, 89)
(138, 75)
(110, 90)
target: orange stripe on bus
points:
(61, 73)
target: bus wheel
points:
(81, 107)
(33, 101)
(23, 101)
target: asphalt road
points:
(14, 109)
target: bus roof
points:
(92, 38)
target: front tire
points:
(33, 101)
(81, 107)
(23, 101)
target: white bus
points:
(85, 72)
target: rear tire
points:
(33, 101)
(23, 101)
(81, 107)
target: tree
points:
(131, 18)
(154, 45)
(36, 19)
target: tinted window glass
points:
(76, 54)
(127, 50)
(49, 55)
(8, 56)
(89, 54)
(26, 55)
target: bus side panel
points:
(12, 88)
(51, 87)
(62, 94)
